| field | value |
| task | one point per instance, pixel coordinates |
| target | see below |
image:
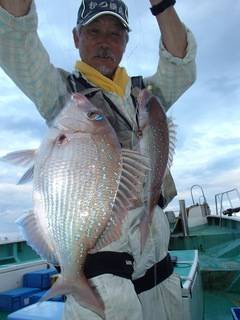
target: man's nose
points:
(104, 38)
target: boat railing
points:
(230, 197)
(184, 218)
(202, 201)
(201, 197)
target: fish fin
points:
(28, 176)
(34, 236)
(134, 168)
(22, 158)
(81, 291)
(172, 140)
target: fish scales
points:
(154, 143)
(69, 219)
(83, 186)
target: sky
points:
(207, 116)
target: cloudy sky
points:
(207, 115)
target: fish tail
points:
(81, 291)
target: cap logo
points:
(93, 5)
(106, 5)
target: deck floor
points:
(219, 252)
(218, 305)
(219, 257)
(3, 315)
(204, 230)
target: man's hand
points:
(17, 8)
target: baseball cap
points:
(91, 9)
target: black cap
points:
(91, 9)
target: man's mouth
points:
(104, 54)
(104, 57)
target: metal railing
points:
(201, 197)
(228, 196)
(184, 218)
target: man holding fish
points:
(128, 266)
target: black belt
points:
(121, 264)
(117, 263)
(155, 275)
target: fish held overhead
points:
(83, 184)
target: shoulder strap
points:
(115, 109)
(137, 81)
(78, 84)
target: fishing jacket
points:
(25, 60)
(128, 131)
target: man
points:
(101, 36)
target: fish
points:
(83, 185)
(157, 141)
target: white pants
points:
(163, 302)
(118, 295)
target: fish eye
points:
(93, 115)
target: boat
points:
(205, 250)
(216, 237)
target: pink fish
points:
(157, 142)
(83, 183)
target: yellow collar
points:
(117, 85)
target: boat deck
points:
(219, 256)
(16, 253)
(218, 245)
(218, 305)
(186, 267)
(3, 315)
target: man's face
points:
(101, 43)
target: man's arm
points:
(173, 32)
(176, 70)
(17, 8)
(25, 60)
